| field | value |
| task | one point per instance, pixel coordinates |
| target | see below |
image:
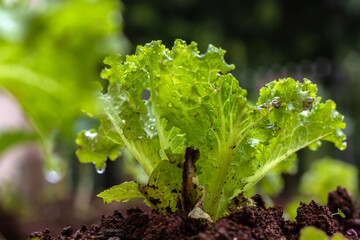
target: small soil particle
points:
(246, 223)
(67, 231)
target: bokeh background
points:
(51, 56)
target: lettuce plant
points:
(197, 137)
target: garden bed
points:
(247, 223)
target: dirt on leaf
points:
(247, 223)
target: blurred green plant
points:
(273, 182)
(312, 233)
(322, 177)
(11, 200)
(10, 138)
(325, 175)
(50, 53)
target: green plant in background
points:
(10, 138)
(312, 233)
(197, 138)
(132, 167)
(325, 175)
(322, 177)
(11, 200)
(50, 55)
(273, 182)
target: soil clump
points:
(244, 224)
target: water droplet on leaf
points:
(101, 170)
(334, 114)
(253, 142)
(91, 134)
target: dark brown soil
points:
(246, 223)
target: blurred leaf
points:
(273, 183)
(290, 211)
(312, 233)
(338, 236)
(51, 53)
(7, 139)
(133, 168)
(326, 175)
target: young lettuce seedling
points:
(197, 138)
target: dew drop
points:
(339, 133)
(101, 170)
(253, 142)
(334, 114)
(305, 113)
(90, 134)
(53, 176)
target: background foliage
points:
(51, 54)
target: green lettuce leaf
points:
(96, 148)
(164, 187)
(122, 193)
(162, 191)
(196, 103)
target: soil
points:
(247, 223)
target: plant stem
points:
(214, 193)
